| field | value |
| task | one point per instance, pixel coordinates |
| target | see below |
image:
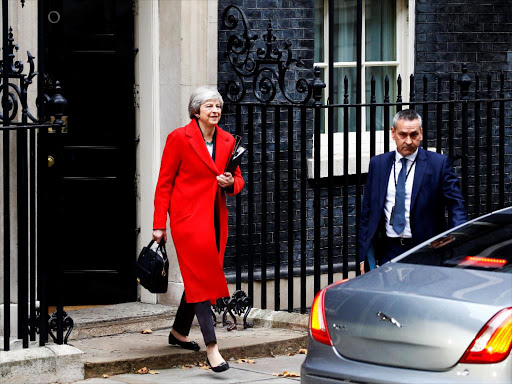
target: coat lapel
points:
(198, 145)
(223, 149)
(419, 172)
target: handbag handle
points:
(161, 245)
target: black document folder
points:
(236, 157)
(235, 161)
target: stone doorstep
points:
(119, 318)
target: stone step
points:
(128, 352)
(119, 318)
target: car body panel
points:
(324, 365)
(412, 319)
(383, 318)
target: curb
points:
(93, 370)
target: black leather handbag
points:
(152, 268)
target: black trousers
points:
(185, 316)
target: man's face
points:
(407, 135)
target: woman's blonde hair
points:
(199, 96)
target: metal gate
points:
(299, 214)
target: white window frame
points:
(405, 22)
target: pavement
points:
(114, 345)
(261, 371)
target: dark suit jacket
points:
(435, 189)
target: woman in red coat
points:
(192, 188)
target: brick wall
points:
(291, 20)
(478, 33)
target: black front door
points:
(91, 243)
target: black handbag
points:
(152, 268)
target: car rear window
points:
(485, 244)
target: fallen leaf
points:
(142, 371)
(291, 354)
(286, 374)
(151, 372)
(247, 361)
(146, 331)
(290, 374)
(303, 351)
(187, 366)
(105, 376)
(205, 367)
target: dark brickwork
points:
(447, 34)
(478, 33)
(291, 20)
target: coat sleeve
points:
(365, 215)
(453, 196)
(168, 169)
(239, 183)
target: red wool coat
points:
(188, 190)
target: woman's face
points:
(209, 113)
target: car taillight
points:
(493, 342)
(317, 322)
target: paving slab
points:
(260, 372)
(128, 352)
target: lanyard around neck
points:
(409, 171)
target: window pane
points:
(380, 23)
(379, 73)
(345, 37)
(319, 31)
(339, 91)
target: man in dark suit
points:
(407, 194)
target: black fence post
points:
(386, 114)
(488, 142)
(303, 207)
(238, 211)
(425, 112)
(290, 207)
(465, 82)
(373, 111)
(277, 209)
(399, 93)
(439, 115)
(250, 211)
(451, 116)
(345, 177)
(477, 146)
(264, 208)
(502, 142)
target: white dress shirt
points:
(390, 197)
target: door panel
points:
(92, 203)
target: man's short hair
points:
(407, 114)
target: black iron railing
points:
(31, 162)
(299, 214)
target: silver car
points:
(440, 313)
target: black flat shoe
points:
(192, 345)
(219, 368)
